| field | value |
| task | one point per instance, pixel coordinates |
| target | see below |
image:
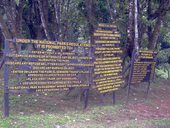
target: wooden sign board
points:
(47, 70)
(142, 69)
(107, 62)
(143, 66)
(50, 66)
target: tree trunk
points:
(114, 9)
(2, 39)
(43, 20)
(136, 39)
(57, 9)
(110, 11)
(18, 23)
(155, 34)
(66, 23)
(149, 32)
(90, 16)
(11, 16)
(161, 15)
(4, 28)
(130, 30)
(14, 17)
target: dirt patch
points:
(157, 106)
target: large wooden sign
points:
(51, 67)
(107, 62)
(47, 66)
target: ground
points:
(57, 110)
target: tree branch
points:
(160, 10)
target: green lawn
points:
(92, 118)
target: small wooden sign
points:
(142, 69)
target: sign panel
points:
(108, 62)
(143, 66)
(51, 66)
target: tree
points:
(159, 15)
(91, 19)
(70, 20)
(43, 9)
(130, 30)
(136, 38)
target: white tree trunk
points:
(136, 39)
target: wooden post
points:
(130, 75)
(86, 95)
(114, 97)
(6, 78)
(90, 77)
(148, 88)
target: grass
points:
(160, 122)
(26, 113)
(33, 121)
(52, 120)
(82, 119)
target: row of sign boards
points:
(59, 66)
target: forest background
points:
(75, 21)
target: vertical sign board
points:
(53, 66)
(107, 63)
(142, 68)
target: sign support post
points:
(130, 75)
(114, 97)
(148, 88)
(6, 90)
(86, 93)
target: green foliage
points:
(164, 50)
(145, 21)
(166, 39)
(163, 70)
(17, 2)
(101, 12)
(161, 73)
(163, 56)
